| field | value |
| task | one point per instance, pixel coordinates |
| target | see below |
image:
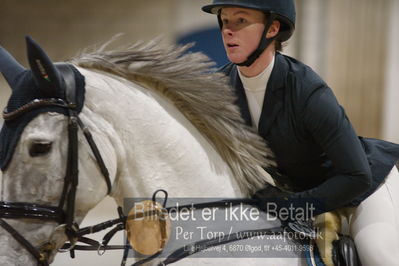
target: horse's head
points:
(39, 159)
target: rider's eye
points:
(39, 148)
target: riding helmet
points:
(283, 10)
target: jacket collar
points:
(273, 100)
(279, 73)
(274, 96)
(241, 97)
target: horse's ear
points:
(45, 73)
(9, 67)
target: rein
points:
(298, 228)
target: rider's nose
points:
(227, 31)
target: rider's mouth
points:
(231, 47)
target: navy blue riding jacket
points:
(313, 141)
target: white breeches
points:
(374, 224)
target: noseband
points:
(64, 212)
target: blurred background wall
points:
(352, 44)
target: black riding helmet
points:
(281, 10)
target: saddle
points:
(344, 252)
(335, 249)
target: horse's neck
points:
(157, 147)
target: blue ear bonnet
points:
(42, 81)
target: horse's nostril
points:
(39, 149)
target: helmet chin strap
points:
(263, 43)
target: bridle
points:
(64, 212)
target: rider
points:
(313, 141)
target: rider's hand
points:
(270, 194)
(288, 206)
(285, 206)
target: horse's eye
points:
(39, 148)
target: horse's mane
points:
(201, 94)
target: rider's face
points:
(241, 32)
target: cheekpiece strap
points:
(70, 87)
